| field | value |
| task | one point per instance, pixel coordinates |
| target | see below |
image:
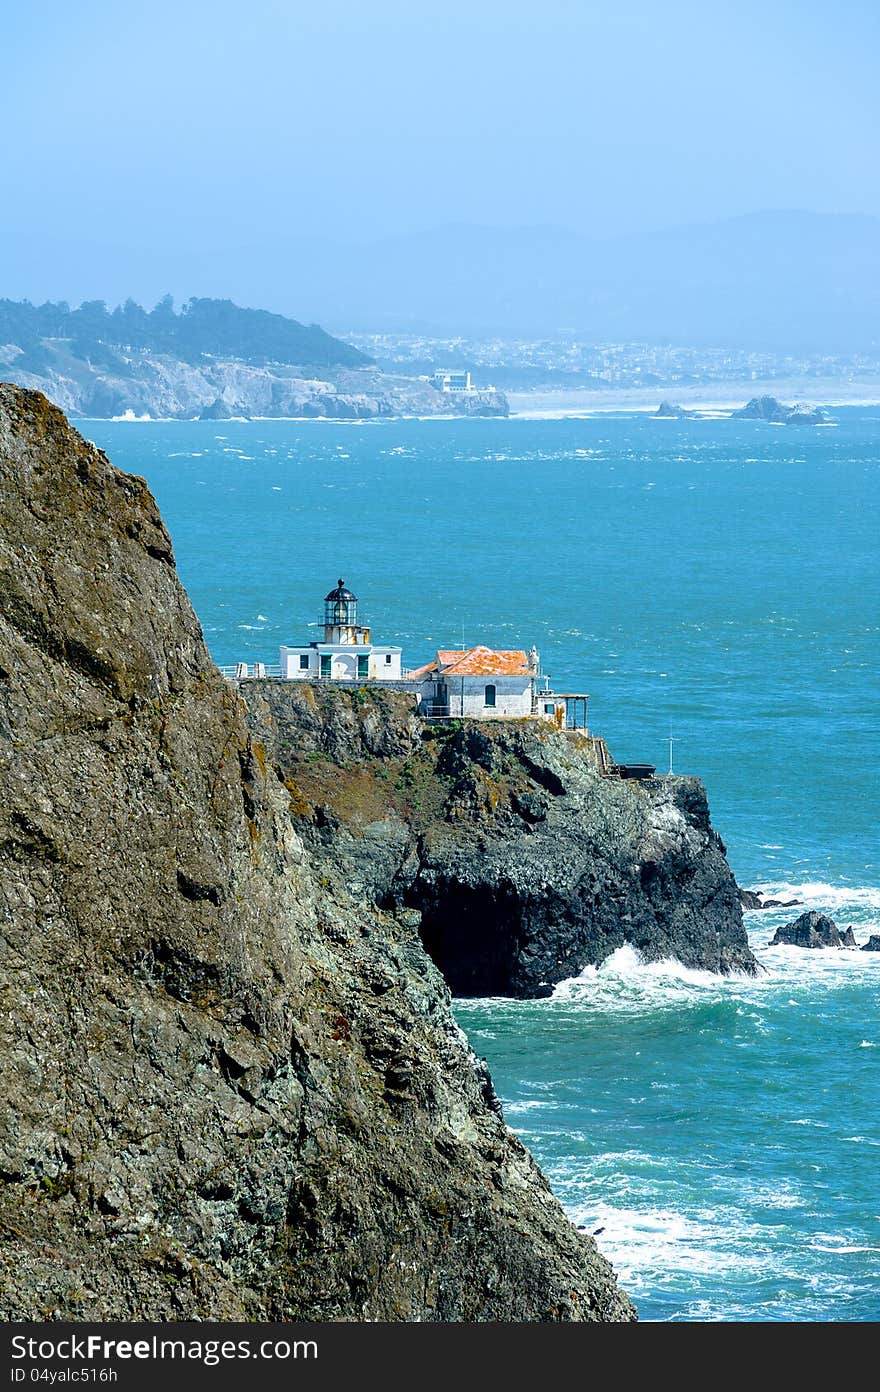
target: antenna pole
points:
(671, 742)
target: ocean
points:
(715, 582)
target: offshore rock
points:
(751, 899)
(812, 930)
(229, 1091)
(873, 943)
(768, 408)
(524, 864)
(754, 899)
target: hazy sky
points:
(154, 147)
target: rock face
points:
(812, 929)
(767, 408)
(522, 864)
(165, 387)
(873, 943)
(669, 410)
(229, 1089)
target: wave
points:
(627, 964)
(646, 1243)
(626, 984)
(747, 1255)
(818, 894)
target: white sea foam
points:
(626, 984)
(530, 1104)
(649, 1244)
(818, 894)
(627, 968)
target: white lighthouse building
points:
(472, 683)
(347, 653)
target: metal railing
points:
(249, 671)
(271, 671)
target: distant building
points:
(452, 381)
(347, 653)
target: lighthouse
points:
(347, 653)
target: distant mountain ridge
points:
(782, 280)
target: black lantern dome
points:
(340, 606)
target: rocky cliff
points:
(520, 863)
(230, 1088)
(164, 387)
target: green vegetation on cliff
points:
(202, 328)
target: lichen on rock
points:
(231, 1088)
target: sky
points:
(165, 146)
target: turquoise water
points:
(713, 580)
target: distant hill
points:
(782, 281)
(213, 360)
(202, 329)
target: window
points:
(363, 666)
(490, 696)
(549, 709)
(387, 659)
(303, 662)
(326, 665)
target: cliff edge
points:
(521, 863)
(228, 1090)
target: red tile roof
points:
(484, 662)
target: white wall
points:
(344, 662)
(290, 668)
(513, 696)
(379, 668)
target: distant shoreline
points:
(583, 401)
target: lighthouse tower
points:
(340, 617)
(347, 653)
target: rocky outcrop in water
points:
(232, 1086)
(668, 410)
(812, 930)
(521, 864)
(873, 943)
(754, 899)
(767, 408)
